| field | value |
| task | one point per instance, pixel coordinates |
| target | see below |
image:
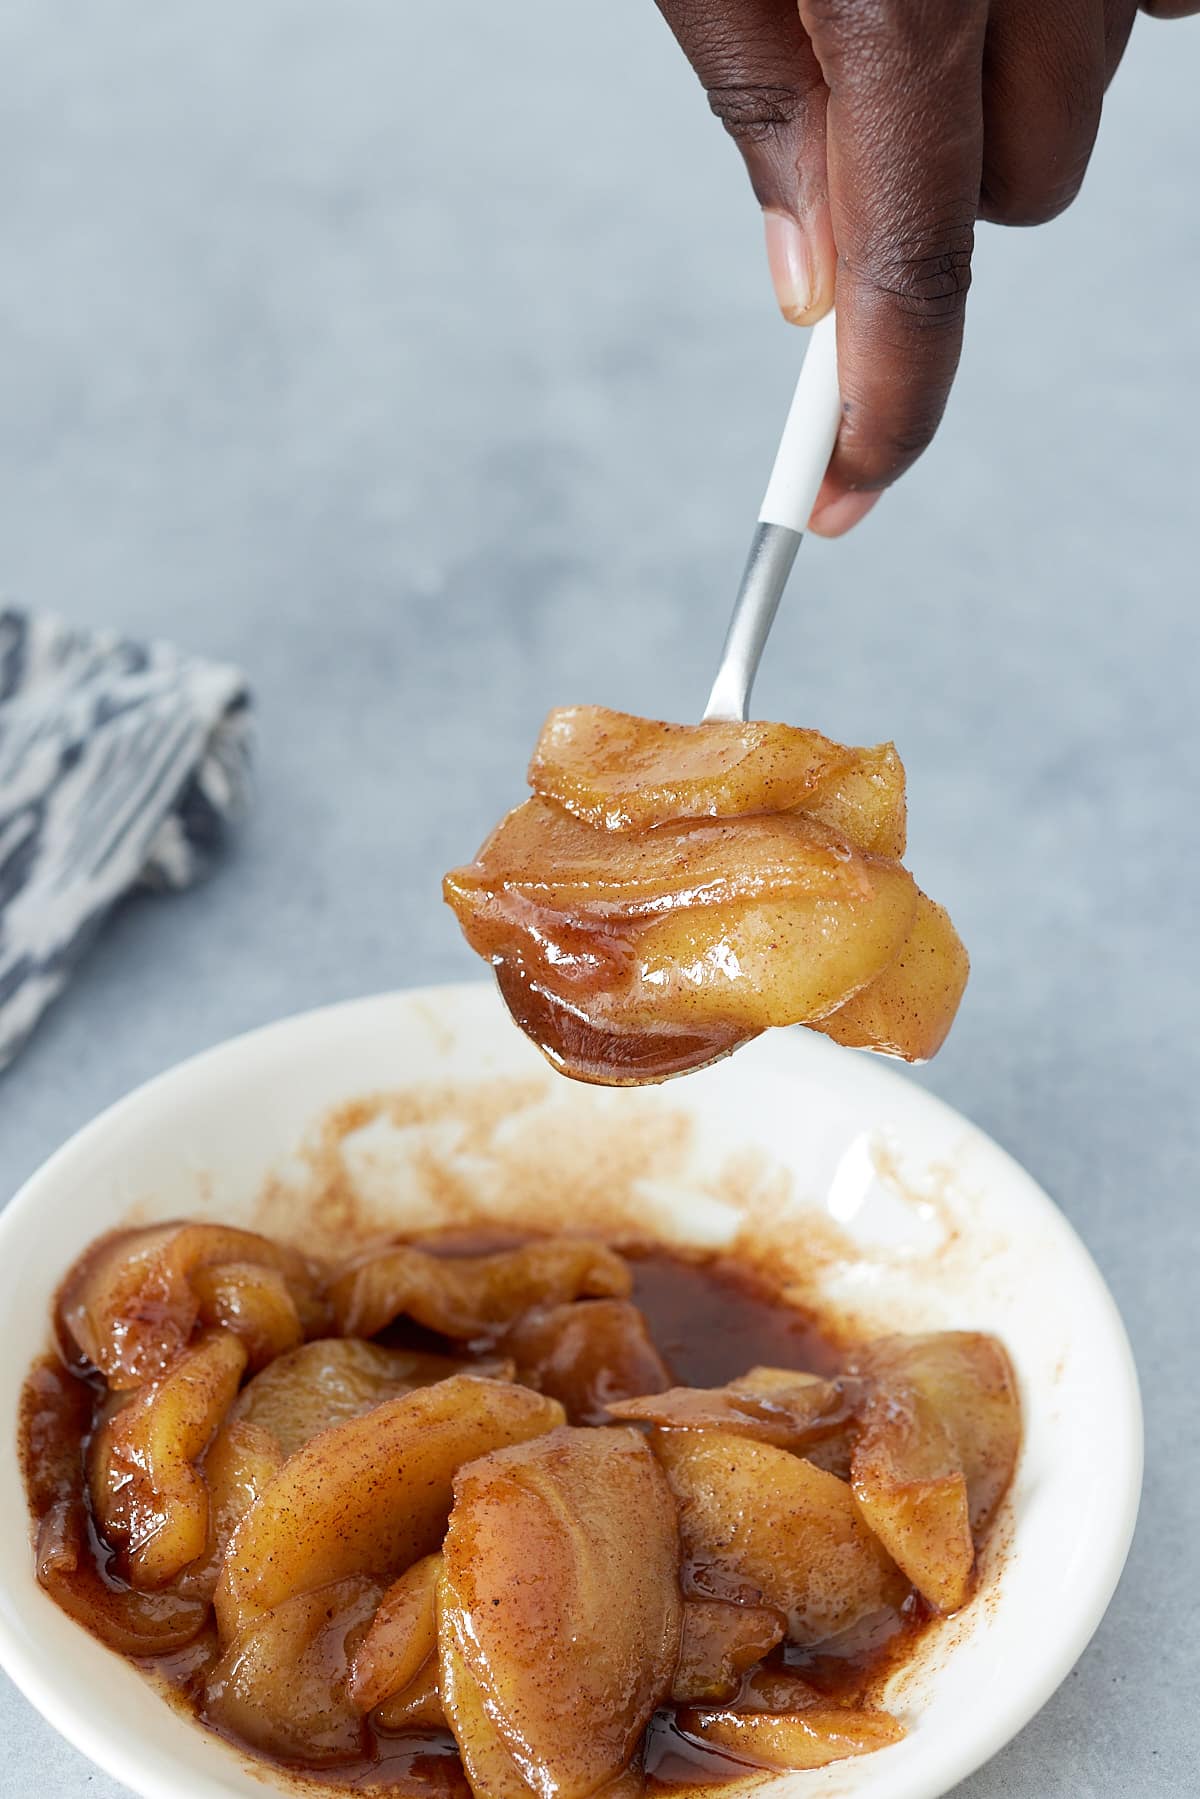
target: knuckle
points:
(752, 113)
(925, 275)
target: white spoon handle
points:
(808, 436)
(800, 464)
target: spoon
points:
(800, 464)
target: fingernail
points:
(833, 518)
(790, 259)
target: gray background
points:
(420, 359)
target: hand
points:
(875, 133)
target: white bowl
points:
(913, 1219)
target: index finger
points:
(764, 84)
(905, 150)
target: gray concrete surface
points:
(420, 360)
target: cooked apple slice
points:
(543, 857)
(291, 1401)
(149, 1499)
(811, 1416)
(772, 1405)
(129, 1303)
(596, 1039)
(719, 1643)
(560, 1591)
(336, 1378)
(282, 1682)
(418, 1707)
(490, 1767)
(252, 1301)
(777, 1689)
(864, 800)
(670, 891)
(469, 1297)
(629, 1784)
(287, 1404)
(793, 1740)
(774, 961)
(402, 1637)
(622, 773)
(910, 1488)
(590, 1355)
(132, 1623)
(743, 965)
(968, 1380)
(371, 1495)
(752, 1514)
(828, 1439)
(728, 969)
(634, 958)
(56, 1414)
(241, 1461)
(910, 1005)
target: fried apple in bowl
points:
(642, 1381)
(503, 1515)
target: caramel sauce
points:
(710, 1319)
(713, 1319)
(673, 1759)
(426, 1766)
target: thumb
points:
(765, 85)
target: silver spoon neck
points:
(772, 553)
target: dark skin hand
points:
(875, 133)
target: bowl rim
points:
(1050, 1659)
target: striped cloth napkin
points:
(120, 764)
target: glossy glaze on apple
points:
(553, 1520)
(672, 890)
